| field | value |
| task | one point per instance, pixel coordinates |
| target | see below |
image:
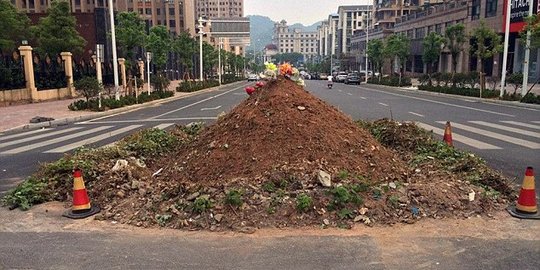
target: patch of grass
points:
(193, 129)
(162, 220)
(234, 198)
(269, 186)
(303, 202)
(341, 196)
(202, 204)
(150, 142)
(345, 213)
(25, 195)
(360, 187)
(343, 174)
(394, 201)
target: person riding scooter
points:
(330, 81)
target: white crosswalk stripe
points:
(53, 141)
(486, 133)
(33, 138)
(465, 140)
(164, 126)
(521, 124)
(536, 122)
(507, 128)
(94, 139)
(7, 137)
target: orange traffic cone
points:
(526, 207)
(448, 134)
(81, 203)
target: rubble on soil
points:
(269, 163)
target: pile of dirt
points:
(284, 158)
(282, 126)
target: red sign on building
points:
(518, 12)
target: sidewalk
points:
(18, 115)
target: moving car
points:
(253, 78)
(352, 78)
(323, 76)
(341, 77)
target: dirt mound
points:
(283, 126)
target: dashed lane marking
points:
(417, 114)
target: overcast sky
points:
(297, 11)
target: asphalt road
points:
(508, 137)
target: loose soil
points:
(258, 166)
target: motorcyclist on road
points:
(330, 81)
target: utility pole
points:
(525, 84)
(367, 41)
(148, 59)
(115, 57)
(219, 60)
(200, 29)
(506, 44)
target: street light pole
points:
(506, 44)
(219, 60)
(148, 59)
(367, 41)
(115, 57)
(525, 84)
(200, 27)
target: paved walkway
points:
(18, 115)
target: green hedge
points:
(112, 103)
(531, 98)
(391, 81)
(470, 92)
(191, 86)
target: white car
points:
(341, 77)
(252, 78)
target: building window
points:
(491, 8)
(148, 11)
(420, 33)
(475, 10)
(438, 28)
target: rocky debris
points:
(120, 165)
(324, 178)
(301, 108)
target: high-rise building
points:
(351, 19)
(220, 8)
(295, 41)
(177, 15)
(387, 11)
(328, 36)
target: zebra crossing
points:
(489, 135)
(476, 134)
(57, 140)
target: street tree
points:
(210, 58)
(88, 87)
(184, 45)
(487, 44)
(398, 46)
(455, 37)
(13, 25)
(293, 58)
(159, 44)
(533, 25)
(431, 51)
(57, 32)
(375, 51)
(130, 34)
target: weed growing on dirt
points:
(202, 204)
(343, 174)
(150, 142)
(269, 186)
(193, 129)
(25, 195)
(303, 202)
(163, 219)
(342, 195)
(345, 213)
(234, 198)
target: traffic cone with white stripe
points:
(447, 138)
(82, 208)
(526, 206)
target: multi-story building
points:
(220, 8)
(328, 36)
(177, 15)
(351, 19)
(387, 11)
(295, 41)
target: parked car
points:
(341, 76)
(352, 78)
(323, 76)
(252, 78)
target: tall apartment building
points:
(220, 8)
(295, 41)
(387, 11)
(351, 19)
(177, 15)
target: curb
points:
(68, 120)
(481, 100)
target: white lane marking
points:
(7, 137)
(349, 94)
(494, 135)
(94, 139)
(363, 98)
(465, 140)
(195, 103)
(155, 120)
(58, 132)
(536, 122)
(164, 126)
(442, 103)
(384, 104)
(210, 109)
(417, 114)
(521, 124)
(511, 129)
(53, 141)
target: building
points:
(269, 52)
(295, 41)
(328, 38)
(177, 15)
(351, 19)
(220, 8)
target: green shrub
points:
(471, 92)
(391, 81)
(89, 87)
(202, 204)
(516, 80)
(26, 194)
(303, 202)
(150, 142)
(234, 198)
(112, 103)
(531, 98)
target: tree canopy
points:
(57, 32)
(375, 51)
(432, 49)
(12, 26)
(130, 33)
(455, 37)
(159, 44)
